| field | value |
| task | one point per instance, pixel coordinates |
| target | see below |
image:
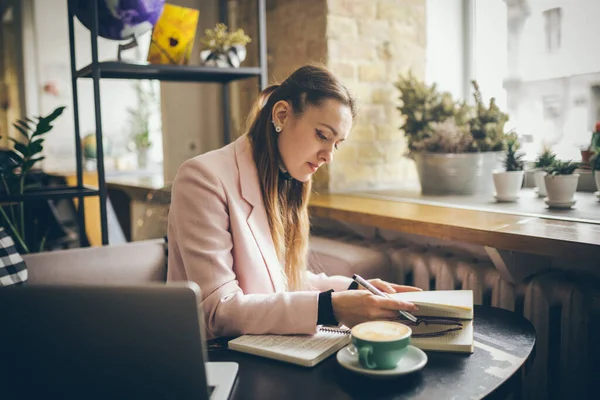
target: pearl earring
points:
(277, 127)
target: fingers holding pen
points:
(355, 306)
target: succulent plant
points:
(513, 160)
(562, 167)
(545, 159)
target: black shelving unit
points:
(173, 73)
(52, 193)
(98, 70)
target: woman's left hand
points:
(387, 287)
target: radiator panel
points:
(563, 313)
(556, 306)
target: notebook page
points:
(303, 347)
(441, 303)
(427, 311)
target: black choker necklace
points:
(284, 175)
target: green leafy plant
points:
(25, 154)
(513, 160)
(446, 137)
(562, 168)
(435, 122)
(487, 127)
(595, 161)
(545, 159)
(595, 149)
(422, 107)
(595, 143)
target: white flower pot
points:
(540, 183)
(508, 184)
(561, 188)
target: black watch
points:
(325, 314)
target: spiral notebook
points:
(304, 350)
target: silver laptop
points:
(107, 342)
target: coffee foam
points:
(380, 331)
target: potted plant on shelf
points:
(222, 48)
(561, 184)
(455, 147)
(509, 182)
(13, 178)
(543, 161)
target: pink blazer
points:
(219, 237)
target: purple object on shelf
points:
(120, 19)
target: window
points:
(551, 104)
(552, 27)
(541, 60)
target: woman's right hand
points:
(351, 307)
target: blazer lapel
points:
(257, 220)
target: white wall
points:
(566, 75)
(47, 59)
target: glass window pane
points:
(541, 60)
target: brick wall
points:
(367, 43)
(295, 35)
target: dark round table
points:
(504, 342)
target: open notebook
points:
(308, 351)
(305, 350)
(452, 305)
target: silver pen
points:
(378, 292)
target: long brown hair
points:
(286, 201)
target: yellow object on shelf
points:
(173, 36)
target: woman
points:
(239, 226)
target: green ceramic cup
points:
(380, 344)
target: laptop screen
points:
(103, 341)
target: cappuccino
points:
(381, 331)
